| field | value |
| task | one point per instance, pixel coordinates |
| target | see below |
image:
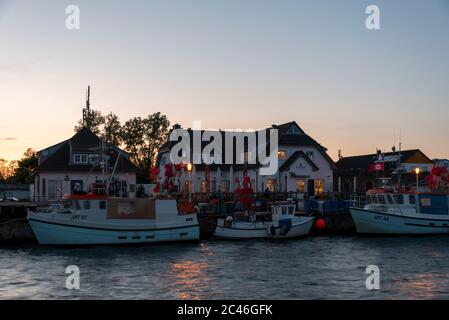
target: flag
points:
(379, 166)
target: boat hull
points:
(261, 231)
(374, 222)
(48, 233)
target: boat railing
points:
(362, 202)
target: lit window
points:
(300, 185)
(282, 154)
(319, 186)
(271, 185)
(225, 186)
(204, 186)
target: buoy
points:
(320, 224)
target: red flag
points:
(379, 166)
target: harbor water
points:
(330, 267)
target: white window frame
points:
(79, 158)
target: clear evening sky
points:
(231, 64)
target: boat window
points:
(399, 198)
(381, 198)
(67, 204)
(411, 199)
(77, 204)
(102, 205)
(284, 210)
(390, 199)
(291, 210)
(86, 205)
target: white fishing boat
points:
(281, 223)
(89, 219)
(388, 211)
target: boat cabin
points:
(424, 203)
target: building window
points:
(271, 185)
(282, 155)
(319, 186)
(204, 184)
(300, 185)
(186, 187)
(309, 155)
(294, 130)
(225, 186)
(93, 159)
(80, 158)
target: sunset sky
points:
(230, 64)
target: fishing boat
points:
(93, 219)
(281, 223)
(390, 211)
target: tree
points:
(112, 130)
(93, 122)
(143, 137)
(24, 169)
(4, 172)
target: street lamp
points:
(189, 169)
(417, 170)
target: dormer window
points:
(294, 130)
(80, 159)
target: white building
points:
(303, 166)
(74, 165)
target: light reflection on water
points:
(313, 268)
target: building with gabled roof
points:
(303, 166)
(353, 175)
(74, 164)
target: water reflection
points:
(190, 279)
(421, 286)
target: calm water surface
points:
(313, 268)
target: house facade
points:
(75, 164)
(303, 166)
(353, 174)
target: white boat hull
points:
(260, 230)
(48, 233)
(374, 222)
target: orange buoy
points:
(320, 224)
